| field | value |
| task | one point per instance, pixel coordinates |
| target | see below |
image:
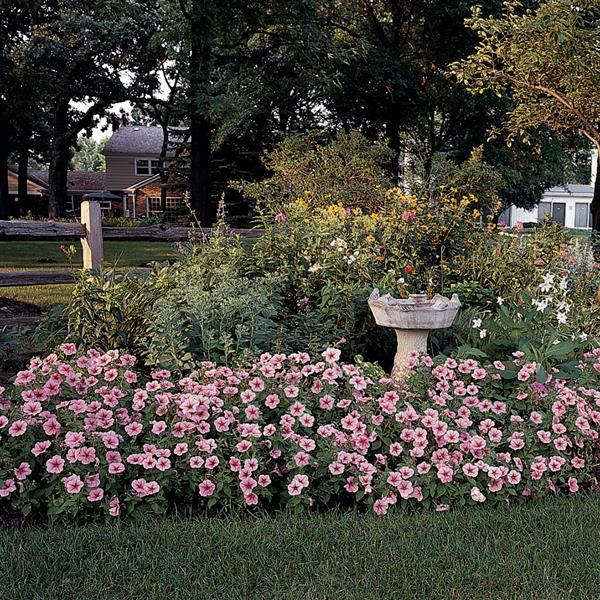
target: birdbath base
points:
(409, 341)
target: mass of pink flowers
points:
(87, 433)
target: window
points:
(172, 204)
(105, 205)
(153, 204)
(70, 205)
(147, 166)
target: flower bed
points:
(86, 434)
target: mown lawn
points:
(42, 255)
(548, 549)
(17, 256)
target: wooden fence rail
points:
(92, 235)
(35, 277)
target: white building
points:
(568, 205)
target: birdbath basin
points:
(412, 319)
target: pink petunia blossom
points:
(206, 488)
(55, 464)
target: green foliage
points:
(506, 264)
(226, 320)
(547, 57)
(88, 154)
(347, 168)
(540, 322)
(110, 310)
(473, 177)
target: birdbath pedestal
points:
(412, 319)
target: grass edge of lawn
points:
(544, 549)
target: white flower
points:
(401, 280)
(476, 323)
(500, 300)
(583, 337)
(547, 283)
(561, 317)
(556, 342)
(483, 333)
(564, 284)
(314, 268)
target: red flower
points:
(409, 269)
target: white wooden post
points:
(93, 250)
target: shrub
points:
(540, 325)
(231, 318)
(348, 168)
(85, 434)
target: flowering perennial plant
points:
(84, 433)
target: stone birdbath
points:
(412, 319)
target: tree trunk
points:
(23, 164)
(200, 125)
(59, 161)
(163, 173)
(4, 199)
(595, 206)
(392, 131)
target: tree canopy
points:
(547, 58)
(239, 76)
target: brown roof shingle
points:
(77, 181)
(138, 140)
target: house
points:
(567, 205)
(132, 171)
(79, 183)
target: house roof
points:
(136, 140)
(33, 176)
(86, 181)
(570, 189)
(77, 181)
(142, 183)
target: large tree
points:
(241, 72)
(548, 59)
(88, 56)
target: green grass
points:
(40, 295)
(17, 256)
(548, 549)
(47, 255)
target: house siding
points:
(32, 188)
(120, 171)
